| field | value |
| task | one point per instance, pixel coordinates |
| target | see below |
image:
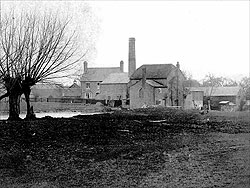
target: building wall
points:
(152, 96)
(171, 83)
(92, 91)
(113, 91)
(160, 96)
(193, 100)
(138, 100)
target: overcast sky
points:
(205, 37)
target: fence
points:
(67, 100)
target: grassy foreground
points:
(68, 152)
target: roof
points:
(153, 71)
(224, 102)
(46, 90)
(217, 91)
(154, 84)
(227, 103)
(116, 78)
(47, 86)
(74, 85)
(99, 74)
(71, 92)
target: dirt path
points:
(223, 161)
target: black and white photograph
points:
(125, 94)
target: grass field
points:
(238, 115)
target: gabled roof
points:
(99, 74)
(74, 85)
(116, 78)
(218, 91)
(154, 84)
(153, 71)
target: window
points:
(141, 93)
(88, 95)
(158, 102)
(87, 85)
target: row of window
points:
(88, 85)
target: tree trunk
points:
(14, 106)
(209, 105)
(30, 113)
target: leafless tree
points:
(33, 49)
(189, 81)
(245, 86)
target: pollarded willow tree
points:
(33, 49)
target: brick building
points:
(157, 84)
(108, 83)
(115, 87)
(93, 77)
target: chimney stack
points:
(144, 78)
(85, 66)
(131, 57)
(121, 66)
(178, 65)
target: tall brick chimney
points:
(131, 57)
(121, 66)
(85, 64)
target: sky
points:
(203, 36)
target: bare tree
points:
(189, 81)
(33, 49)
(245, 86)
